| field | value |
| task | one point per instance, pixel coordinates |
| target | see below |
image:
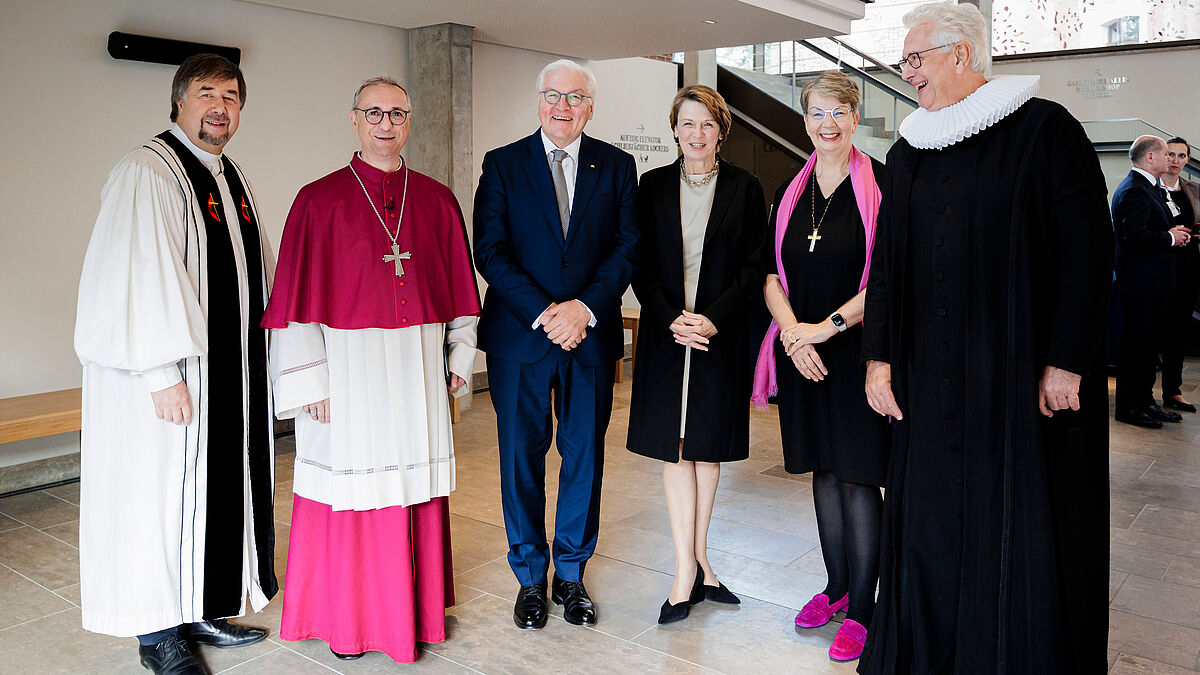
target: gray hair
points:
(382, 79)
(956, 23)
(1145, 145)
(571, 66)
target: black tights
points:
(848, 522)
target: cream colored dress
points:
(695, 204)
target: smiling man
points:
(176, 527)
(555, 238)
(982, 335)
(373, 320)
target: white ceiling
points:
(602, 29)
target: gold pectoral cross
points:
(812, 241)
(396, 257)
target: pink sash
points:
(867, 195)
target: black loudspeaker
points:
(161, 50)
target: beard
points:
(212, 139)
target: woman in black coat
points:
(703, 221)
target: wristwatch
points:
(838, 322)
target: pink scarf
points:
(867, 195)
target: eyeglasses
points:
(574, 98)
(818, 114)
(375, 115)
(914, 59)
(1177, 155)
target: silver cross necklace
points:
(396, 257)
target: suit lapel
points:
(538, 170)
(587, 171)
(721, 201)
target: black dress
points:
(730, 280)
(827, 425)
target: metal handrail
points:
(865, 56)
(859, 72)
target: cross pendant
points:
(397, 256)
(812, 241)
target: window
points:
(1123, 31)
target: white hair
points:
(956, 23)
(571, 66)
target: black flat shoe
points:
(578, 608)
(1138, 419)
(721, 594)
(221, 634)
(672, 613)
(1162, 415)
(346, 657)
(1182, 406)
(530, 611)
(170, 656)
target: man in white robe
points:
(373, 315)
(176, 526)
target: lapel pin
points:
(591, 166)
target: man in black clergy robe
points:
(982, 338)
(1146, 267)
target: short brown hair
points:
(710, 99)
(836, 85)
(204, 67)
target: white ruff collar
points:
(995, 100)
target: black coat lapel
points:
(538, 170)
(721, 201)
(587, 170)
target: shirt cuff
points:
(535, 321)
(157, 379)
(592, 321)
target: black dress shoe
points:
(221, 634)
(578, 607)
(1162, 415)
(1138, 419)
(530, 610)
(1175, 404)
(170, 656)
(346, 657)
(721, 594)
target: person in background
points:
(1183, 201)
(702, 221)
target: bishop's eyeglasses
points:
(574, 98)
(375, 115)
(914, 59)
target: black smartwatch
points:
(838, 322)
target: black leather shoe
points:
(221, 634)
(346, 657)
(530, 610)
(170, 656)
(721, 594)
(1176, 404)
(1138, 419)
(1162, 415)
(578, 607)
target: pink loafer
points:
(848, 643)
(818, 611)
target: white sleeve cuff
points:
(165, 377)
(592, 321)
(297, 387)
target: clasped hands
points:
(1180, 235)
(693, 330)
(798, 342)
(565, 323)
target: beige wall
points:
(70, 112)
(1163, 86)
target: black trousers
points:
(1178, 315)
(1141, 341)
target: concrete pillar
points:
(700, 68)
(439, 83)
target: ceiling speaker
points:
(161, 50)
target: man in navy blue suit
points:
(555, 239)
(1145, 278)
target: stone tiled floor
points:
(764, 547)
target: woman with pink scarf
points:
(823, 223)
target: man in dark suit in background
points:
(1145, 279)
(555, 239)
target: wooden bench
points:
(37, 415)
(630, 317)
